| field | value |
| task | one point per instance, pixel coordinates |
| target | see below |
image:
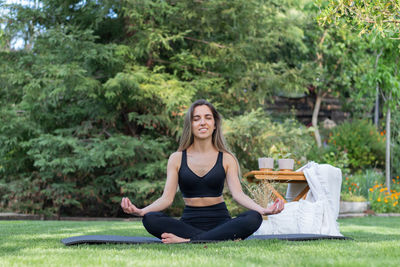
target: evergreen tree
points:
(93, 104)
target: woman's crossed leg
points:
(171, 230)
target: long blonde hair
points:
(218, 139)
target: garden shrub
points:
(330, 155)
(93, 106)
(252, 135)
(364, 146)
(79, 157)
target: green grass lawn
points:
(37, 243)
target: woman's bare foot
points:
(168, 238)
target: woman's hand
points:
(275, 208)
(129, 208)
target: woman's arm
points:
(237, 192)
(168, 195)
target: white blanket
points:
(315, 215)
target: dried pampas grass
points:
(261, 192)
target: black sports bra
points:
(210, 185)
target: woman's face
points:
(203, 123)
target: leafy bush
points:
(78, 157)
(251, 136)
(364, 146)
(330, 155)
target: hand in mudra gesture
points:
(275, 208)
(129, 208)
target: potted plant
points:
(266, 164)
(352, 203)
(351, 197)
(283, 157)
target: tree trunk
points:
(387, 161)
(314, 119)
(319, 97)
(376, 115)
(388, 135)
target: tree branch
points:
(186, 67)
(204, 42)
(377, 58)
(128, 125)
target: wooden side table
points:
(279, 177)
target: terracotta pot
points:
(265, 163)
(286, 164)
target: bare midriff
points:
(202, 201)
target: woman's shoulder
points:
(175, 158)
(228, 158)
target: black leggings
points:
(204, 223)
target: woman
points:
(200, 167)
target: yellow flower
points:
(371, 189)
(379, 199)
(386, 201)
(395, 203)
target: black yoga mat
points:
(108, 239)
(117, 239)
